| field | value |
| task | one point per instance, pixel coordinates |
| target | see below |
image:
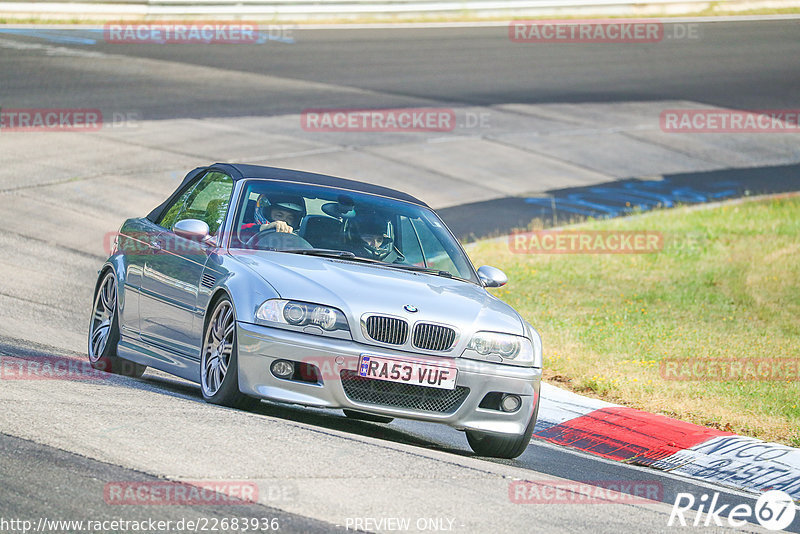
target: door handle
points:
(155, 244)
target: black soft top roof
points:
(239, 171)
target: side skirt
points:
(138, 351)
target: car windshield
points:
(310, 219)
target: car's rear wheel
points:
(361, 416)
(219, 370)
(502, 446)
(104, 332)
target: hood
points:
(359, 288)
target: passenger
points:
(368, 236)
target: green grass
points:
(725, 285)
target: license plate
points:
(405, 372)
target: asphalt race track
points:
(170, 108)
(736, 64)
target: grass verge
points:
(725, 285)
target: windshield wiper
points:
(331, 253)
(417, 268)
(326, 252)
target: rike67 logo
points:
(774, 510)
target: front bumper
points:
(259, 346)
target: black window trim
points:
(188, 181)
(191, 184)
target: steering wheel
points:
(270, 238)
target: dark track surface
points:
(734, 64)
(48, 484)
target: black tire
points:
(361, 416)
(502, 446)
(105, 323)
(226, 392)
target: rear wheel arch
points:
(102, 274)
(104, 328)
(120, 282)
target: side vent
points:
(208, 280)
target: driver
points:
(368, 236)
(280, 213)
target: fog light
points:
(510, 403)
(282, 368)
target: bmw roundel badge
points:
(410, 309)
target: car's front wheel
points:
(502, 446)
(219, 370)
(104, 332)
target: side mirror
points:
(492, 276)
(193, 229)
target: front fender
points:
(246, 289)
(538, 351)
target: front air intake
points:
(389, 330)
(436, 337)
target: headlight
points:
(501, 348)
(299, 315)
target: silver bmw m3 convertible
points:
(264, 283)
